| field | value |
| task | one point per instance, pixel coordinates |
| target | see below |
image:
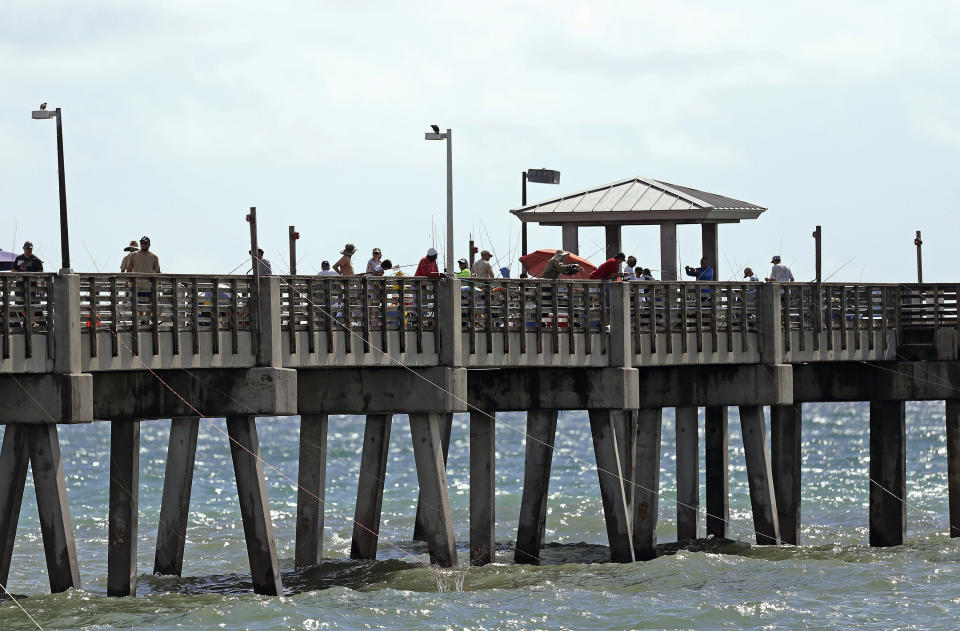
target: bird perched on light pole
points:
(435, 128)
(43, 106)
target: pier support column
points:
(311, 490)
(175, 505)
(541, 434)
(759, 475)
(373, 469)
(717, 462)
(646, 493)
(604, 427)
(953, 463)
(124, 503)
(888, 482)
(13, 474)
(627, 451)
(785, 434)
(55, 523)
(688, 473)
(437, 516)
(254, 508)
(445, 420)
(482, 488)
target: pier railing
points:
(173, 321)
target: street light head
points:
(429, 136)
(543, 176)
(41, 114)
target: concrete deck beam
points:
(718, 385)
(876, 381)
(46, 398)
(382, 390)
(554, 388)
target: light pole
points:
(40, 114)
(448, 136)
(540, 176)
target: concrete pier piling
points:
(759, 475)
(14, 458)
(175, 503)
(311, 490)
(540, 437)
(436, 516)
(646, 491)
(124, 503)
(717, 462)
(888, 480)
(482, 488)
(688, 473)
(373, 470)
(254, 508)
(785, 436)
(953, 463)
(445, 420)
(604, 428)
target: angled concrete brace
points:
(688, 473)
(373, 469)
(482, 488)
(541, 434)
(254, 508)
(175, 504)
(647, 479)
(603, 427)
(445, 420)
(55, 523)
(759, 475)
(437, 516)
(124, 496)
(13, 471)
(311, 490)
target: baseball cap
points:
(432, 252)
(27, 245)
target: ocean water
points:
(833, 580)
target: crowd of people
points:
(140, 260)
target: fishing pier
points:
(129, 348)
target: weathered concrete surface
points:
(14, 459)
(541, 434)
(613, 493)
(46, 398)
(876, 381)
(437, 518)
(888, 473)
(382, 390)
(646, 492)
(124, 503)
(688, 473)
(739, 384)
(716, 439)
(175, 502)
(759, 475)
(129, 395)
(953, 463)
(311, 490)
(553, 388)
(373, 470)
(445, 419)
(785, 453)
(482, 487)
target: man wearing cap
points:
(144, 261)
(428, 265)
(464, 269)
(749, 275)
(779, 273)
(609, 268)
(482, 268)
(125, 263)
(555, 267)
(27, 262)
(263, 265)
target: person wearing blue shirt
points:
(704, 272)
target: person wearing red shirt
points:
(609, 268)
(428, 265)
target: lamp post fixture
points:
(40, 114)
(448, 136)
(540, 176)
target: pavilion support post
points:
(571, 238)
(445, 420)
(541, 434)
(668, 251)
(175, 504)
(613, 240)
(711, 246)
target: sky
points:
(179, 116)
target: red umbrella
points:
(536, 261)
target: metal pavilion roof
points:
(638, 200)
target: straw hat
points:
(133, 247)
(349, 249)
